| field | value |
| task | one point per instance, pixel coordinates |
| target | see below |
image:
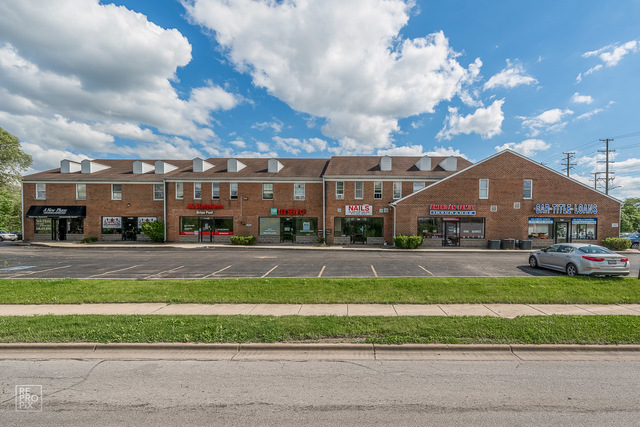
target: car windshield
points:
(635, 236)
(595, 250)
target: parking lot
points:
(234, 262)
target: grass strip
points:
(431, 290)
(269, 329)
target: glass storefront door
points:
(451, 233)
(59, 229)
(129, 228)
(562, 232)
(207, 228)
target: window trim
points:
(154, 191)
(486, 197)
(263, 190)
(196, 184)
(231, 196)
(78, 193)
(113, 192)
(304, 191)
(340, 195)
(181, 185)
(355, 190)
(377, 196)
(398, 184)
(524, 194)
(214, 196)
(43, 191)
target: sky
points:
(170, 79)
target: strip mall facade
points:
(345, 200)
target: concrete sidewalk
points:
(508, 311)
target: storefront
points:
(359, 226)
(126, 228)
(58, 222)
(206, 228)
(288, 225)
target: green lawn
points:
(540, 290)
(387, 330)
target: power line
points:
(606, 162)
(568, 165)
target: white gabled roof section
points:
(424, 164)
(140, 167)
(499, 154)
(235, 165)
(385, 163)
(200, 165)
(89, 166)
(274, 166)
(449, 164)
(69, 166)
(163, 167)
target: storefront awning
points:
(57, 212)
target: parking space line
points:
(39, 271)
(322, 271)
(374, 271)
(427, 270)
(267, 273)
(216, 272)
(166, 271)
(113, 271)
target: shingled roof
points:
(402, 167)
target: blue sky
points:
(170, 79)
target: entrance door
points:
(58, 229)
(207, 230)
(129, 228)
(451, 233)
(287, 230)
(562, 232)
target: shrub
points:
(89, 239)
(408, 242)
(243, 240)
(616, 243)
(154, 230)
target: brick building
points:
(347, 200)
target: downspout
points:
(22, 208)
(324, 213)
(394, 223)
(166, 194)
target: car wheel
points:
(634, 246)
(533, 262)
(572, 270)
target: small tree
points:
(155, 230)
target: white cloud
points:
(529, 147)
(296, 146)
(48, 158)
(276, 125)
(405, 150)
(511, 76)
(590, 114)
(581, 99)
(629, 186)
(610, 55)
(346, 62)
(262, 147)
(486, 122)
(548, 121)
(80, 72)
(238, 143)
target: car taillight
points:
(592, 258)
(625, 260)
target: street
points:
(192, 392)
(167, 263)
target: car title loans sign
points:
(569, 208)
(460, 210)
(358, 210)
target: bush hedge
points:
(243, 240)
(616, 243)
(154, 230)
(408, 242)
(89, 239)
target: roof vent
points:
(385, 163)
(88, 166)
(449, 164)
(275, 166)
(235, 165)
(140, 167)
(200, 165)
(424, 163)
(68, 166)
(164, 167)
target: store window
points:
(269, 226)
(359, 190)
(179, 190)
(540, 228)
(191, 225)
(41, 191)
(215, 190)
(197, 190)
(158, 191)
(340, 190)
(188, 225)
(267, 191)
(431, 228)
(484, 189)
(527, 191)
(111, 225)
(584, 229)
(471, 228)
(377, 190)
(306, 226)
(298, 191)
(397, 190)
(358, 227)
(116, 191)
(75, 226)
(81, 191)
(233, 191)
(224, 226)
(42, 225)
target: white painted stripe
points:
(216, 272)
(374, 271)
(322, 271)
(39, 271)
(113, 271)
(163, 272)
(267, 273)
(427, 271)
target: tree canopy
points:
(13, 161)
(630, 215)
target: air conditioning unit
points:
(494, 208)
(339, 196)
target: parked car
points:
(635, 240)
(579, 258)
(17, 233)
(5, 235)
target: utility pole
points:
(568, 166)
(606, 162)
(596, 179)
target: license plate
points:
(612, 262)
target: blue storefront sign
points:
(540, 220)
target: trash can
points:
(525, 245)
(494, 244)
(507, 244)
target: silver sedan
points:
(5, 235)
(580, 258)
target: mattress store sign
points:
(358, 210)
(585, 209)
(460, 210)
